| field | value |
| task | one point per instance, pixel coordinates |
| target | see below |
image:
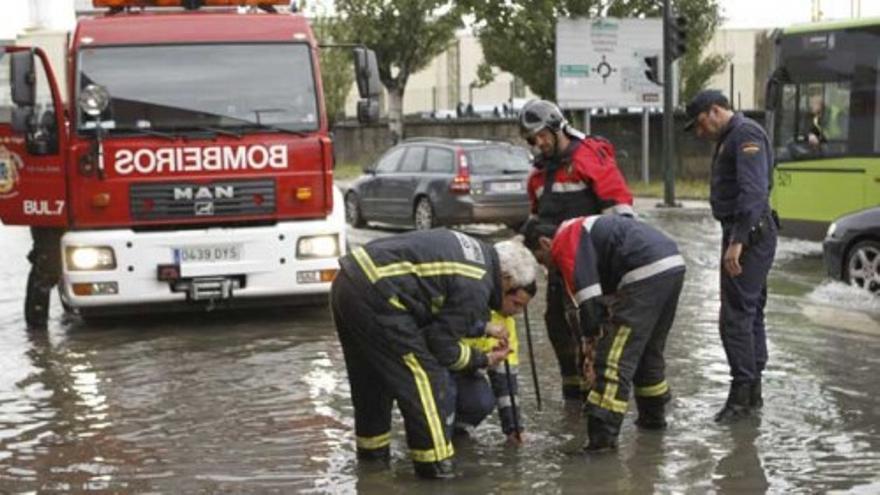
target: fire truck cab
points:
(192, 165)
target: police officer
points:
(625, 277)
(45, 259)
(741, 182)
(401, 306)
(574, 175)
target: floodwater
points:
(258, 402)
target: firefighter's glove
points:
(588, 349)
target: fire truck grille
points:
(209, 200)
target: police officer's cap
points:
(702, 103)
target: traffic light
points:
(676, 37)
(652, 70)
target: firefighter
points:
(625, 278)
(574, 175)
(740, 200)
(401, 306)
(474, 397)
(45, 259)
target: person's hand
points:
(588, 349)
(498, 354)
(731, 259)
(498, 331)
(515, 438)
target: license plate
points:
(216, 253)
(506, 186)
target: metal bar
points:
(532, 356)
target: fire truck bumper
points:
(114, 269)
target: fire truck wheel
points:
(353, 211)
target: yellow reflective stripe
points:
(372, 443)
(572, 380)
(608, 400)
(430, 455)
(441, 450)
(464, 357)
(395, 301)
(653, 390)
(430, 269)
(366, 263)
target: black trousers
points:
(45, 259)
(563, 337)
(741, 320)
(388, 360)
(630, 355)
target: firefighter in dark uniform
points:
(402, 305)
(625, 278)
(574, 175)
(741, 182)
(45, 259)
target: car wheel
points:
(353, 211)
(423, 217)
(863, 266)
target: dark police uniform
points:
(583, 180)
(741, 183)
(45, 259)
(401, 306)
(624, 272)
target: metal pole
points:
(646, 144)
(587, 121)
(532, 355)
(668, 121)
(731, 82)
(512, 397)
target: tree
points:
(406, 35)
(520, 37)
(337, 67)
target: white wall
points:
(740, 45)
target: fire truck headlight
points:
(90, 258)
(318, 246)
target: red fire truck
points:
(192, 164)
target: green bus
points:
(823, 114)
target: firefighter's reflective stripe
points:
(588, 293)
(395, 301)
(563, 187)
(431, 454)
(608, 400)
(463, 358)
(504, 401)
(589, 221)
(572, 380)
(430, 269)
(655, 390)
(620, 209)
(651, 269)
(441, 449)
(373, 443)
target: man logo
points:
(203, 208)
(189, 193)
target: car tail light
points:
(461, 183)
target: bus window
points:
(814, 119)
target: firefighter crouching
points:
(625, 277)
(574, 175)
(401, 306)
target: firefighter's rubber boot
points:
(602, 435)
(382, 454)
(36, 303)
(738, 403)
(755, 399)
(652, 413)
(444, 469)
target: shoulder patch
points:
(750, 148)
(470, 248)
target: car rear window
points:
(498, 160)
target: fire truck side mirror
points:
(24, 79)
(368, 110)
(366, 72)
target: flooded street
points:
(258, 402)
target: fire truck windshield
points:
(242, 88)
